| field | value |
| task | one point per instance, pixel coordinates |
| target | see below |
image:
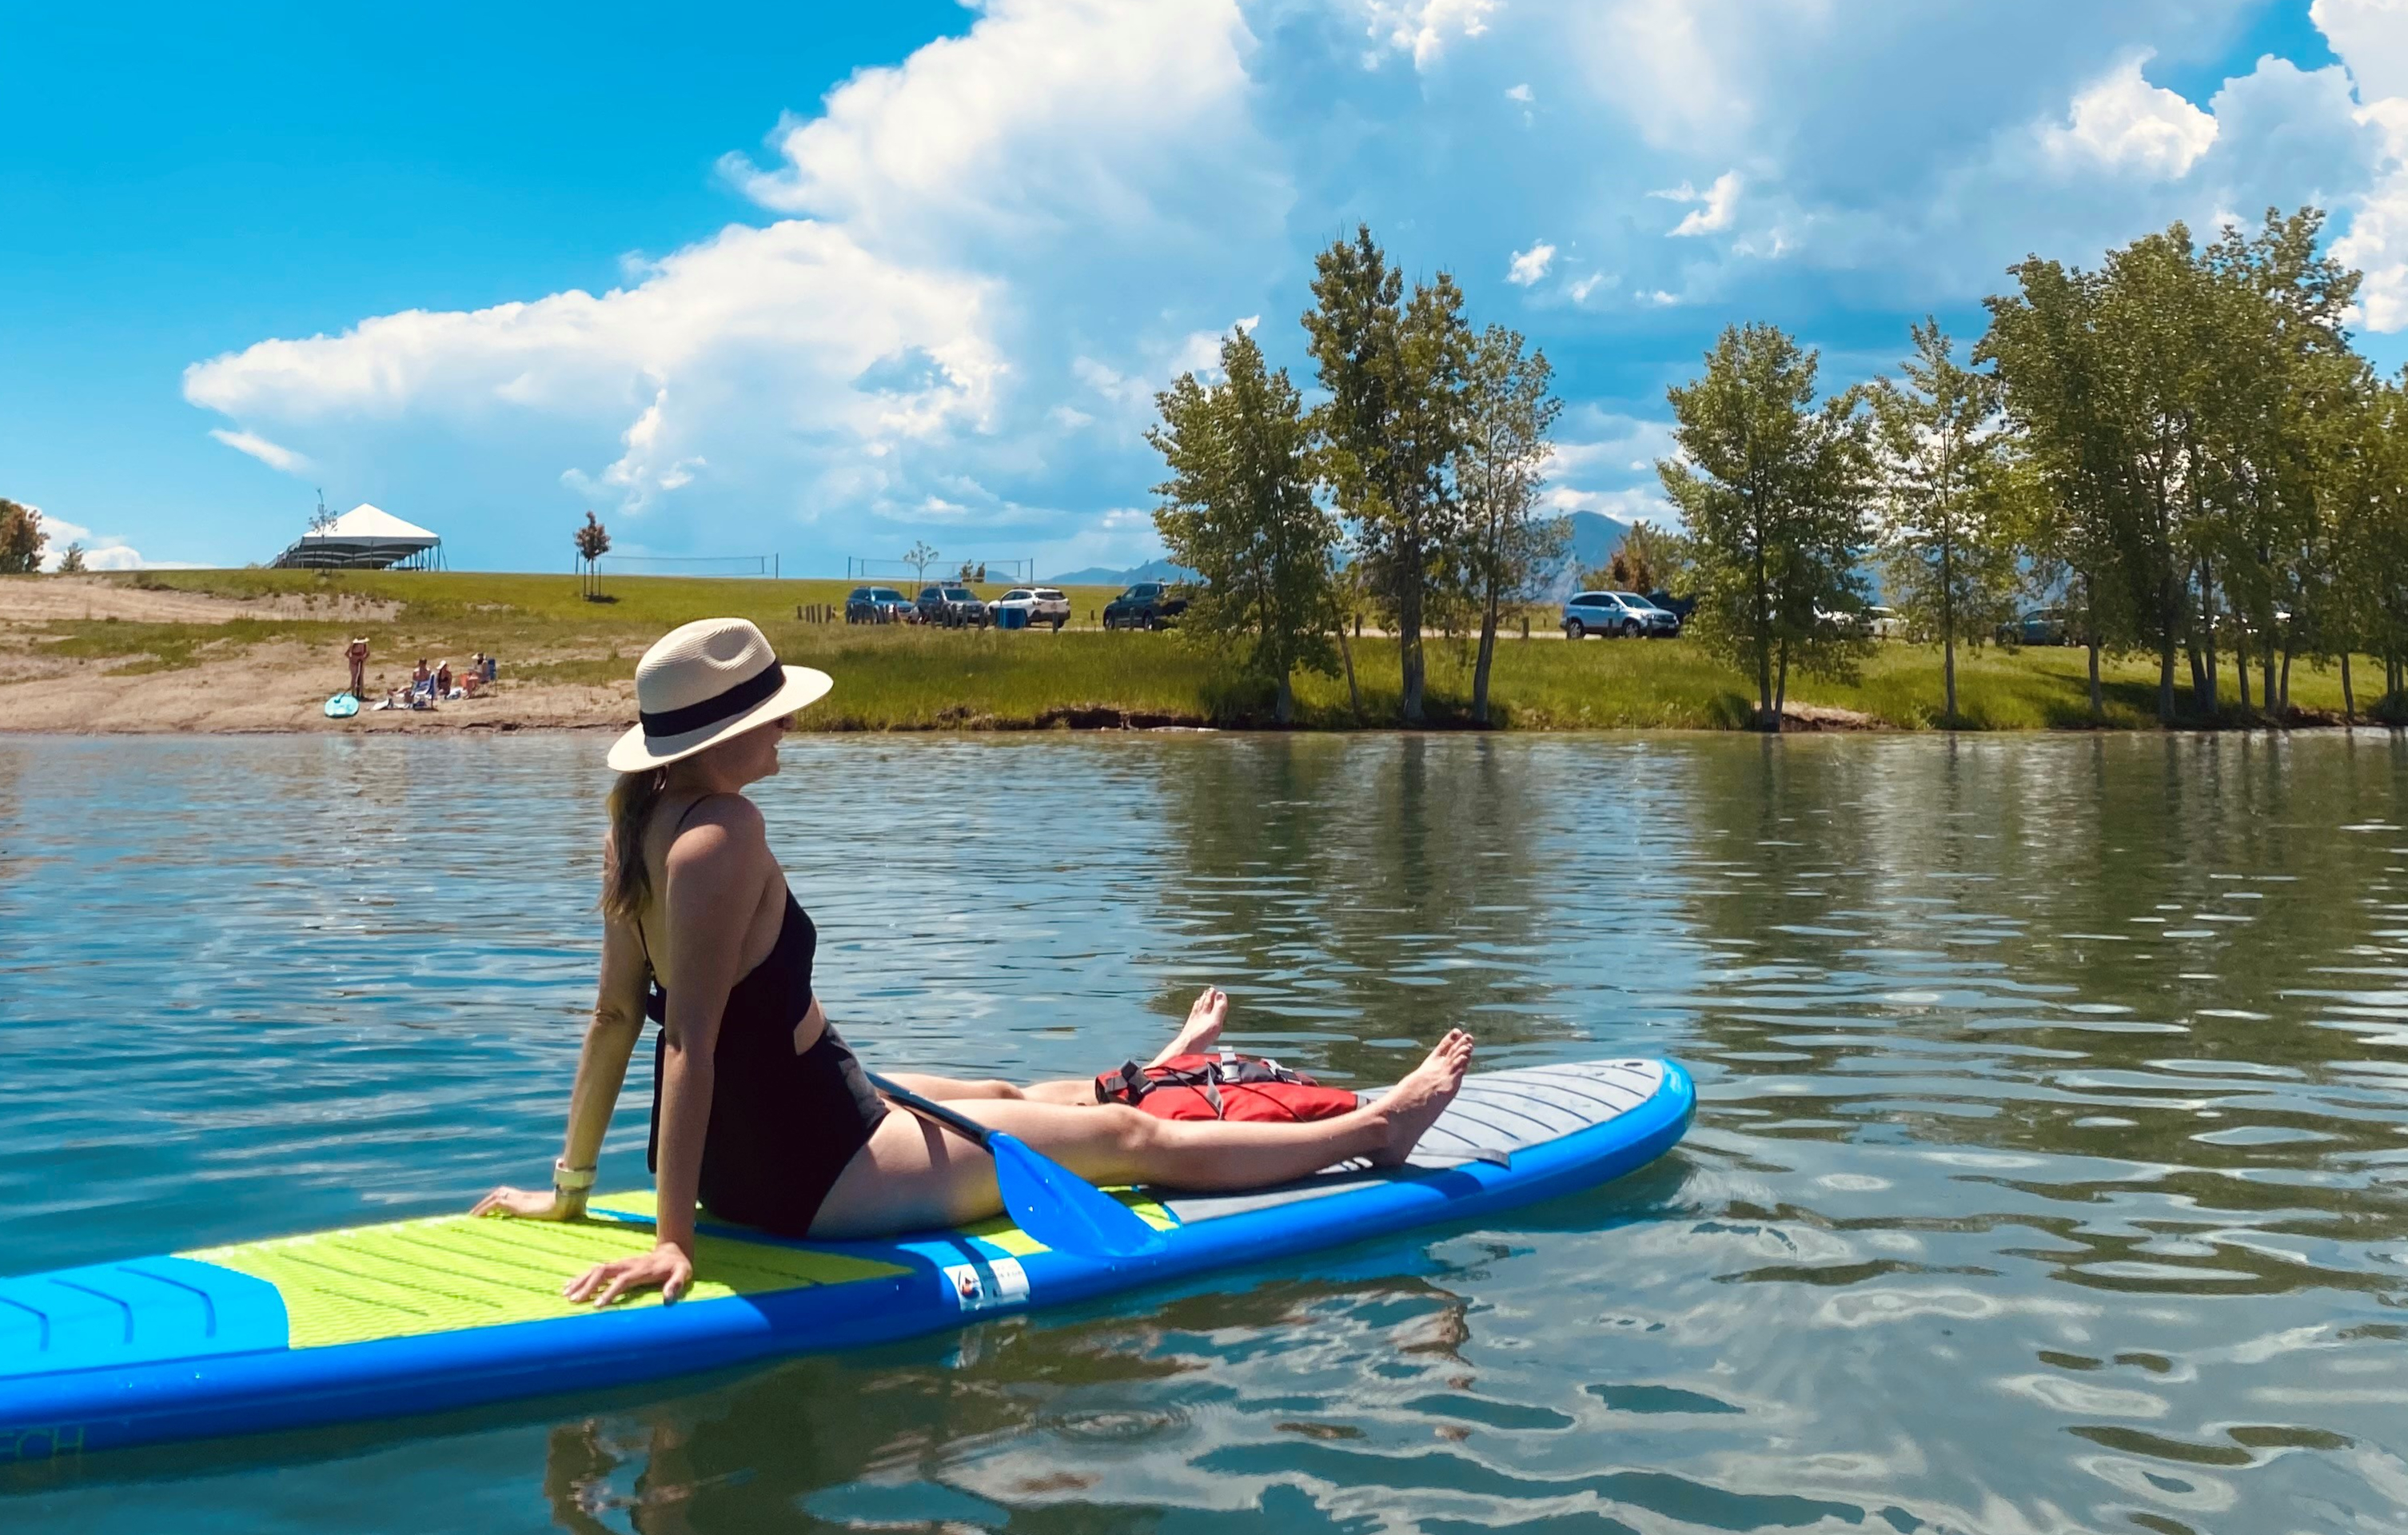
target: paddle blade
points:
(1065, 1211)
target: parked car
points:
(954, 606)
(1624, 613)
(2040, 626)
(1680, 607)
(1882, 622)
(876, 605)
(1044, 604)
(1147, 605)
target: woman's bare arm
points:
(715, 871)
(609, 1042)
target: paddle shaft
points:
(978, 1134)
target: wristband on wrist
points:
(568, 1180)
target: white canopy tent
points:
(365, 538)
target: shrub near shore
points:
(907, 678)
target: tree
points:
(1648, 559)
(593, 542)
(919, 557)
(2283, 366)
(1394, 367)
(1950, 514)
(71, 560)
(1238, 509)
(2363, 485)
(1773, 488)
(21, 539)
(1508, 412)
(2084, 533)
(972, 573)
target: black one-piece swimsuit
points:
(782, 1124)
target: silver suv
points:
(1624, 613)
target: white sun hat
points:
(704, 681)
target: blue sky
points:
(825, 281)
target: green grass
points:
(909, 677)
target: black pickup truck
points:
(1148, 605)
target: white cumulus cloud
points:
(100, 551)
(934, 226)
(2122, 123)
(1528, 267)
(1420, 27)
(1717, 204)
(258, 447)
(2372, 39)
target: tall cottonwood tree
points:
(2170, 404)
(2364, 486)
(1772, 487)
(2055, 384)
(1950, 522)
(1394, 367)
(2285, 364)
(1508, 412)
(1238, 509)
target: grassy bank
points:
(909, 677)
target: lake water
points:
(2051, 1170)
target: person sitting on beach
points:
(763, 1114)
(443, 680)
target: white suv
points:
(1044, 604)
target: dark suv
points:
(874, 604)
(2040, 626)
(955, 607)
(1148, 605)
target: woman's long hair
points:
(626, 883)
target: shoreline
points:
(259, 653)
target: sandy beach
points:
(274, 686)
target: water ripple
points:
(2049, 1172)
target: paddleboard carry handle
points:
(1043, 1199)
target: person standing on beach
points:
(357, 654)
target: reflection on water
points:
(2048, 1175)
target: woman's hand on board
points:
(531, 1204)
(667, 1264)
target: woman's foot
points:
(1413, 1105)
(1202, 1031)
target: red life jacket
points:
(1227, 1086)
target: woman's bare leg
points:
(1201, 1031)
(914, 1176)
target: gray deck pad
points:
(1494, 1115)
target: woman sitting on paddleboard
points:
(759, 1110)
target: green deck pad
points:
(998, 1232)
(454, 1272)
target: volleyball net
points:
(992, 571)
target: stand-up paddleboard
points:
(416, 1316)
(342, 706)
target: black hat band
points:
(762, 686)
